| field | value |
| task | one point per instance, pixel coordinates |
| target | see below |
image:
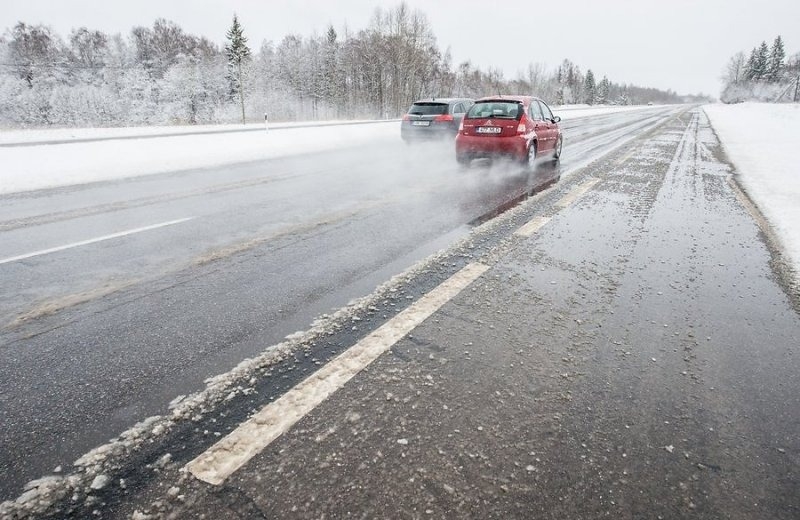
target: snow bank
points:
(762, 141)
(44, 166)
(66, 134)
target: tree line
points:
(763, 75)
(163, 75)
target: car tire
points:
(463, 160)
(557, 150)
(530, 160)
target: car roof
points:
(525, 100)
(448, 101)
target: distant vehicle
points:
(649, 103)
(522, 128)
(434, 118)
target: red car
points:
(520, 127)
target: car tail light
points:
(521, 129)
(406, 117)
(461, 126)
(443, 118)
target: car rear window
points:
(495, 109)
(428, 109)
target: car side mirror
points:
(556, 119)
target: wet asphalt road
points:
(97, 337)
(635, 358)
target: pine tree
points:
(775, 65)
(602, 91)
(589, 88)
(332, 82)
(623, 96)
(238, 54)
(750, 66)
(761, 62)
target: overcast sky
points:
(677, 44)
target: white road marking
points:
(251, 437)
(576, 193)
(536, 223)
(532, 227)
(93, 240)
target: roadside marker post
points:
(266, 122)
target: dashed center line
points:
(576, 193)
(625, 158)
(252, 436)
(532, 227)
(92, 240)
(535, 224)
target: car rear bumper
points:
(421, 133)
(476, 146)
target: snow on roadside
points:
(45, 166)
(8, 137)
(762, 142)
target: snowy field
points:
(33, 167)
(762, 141)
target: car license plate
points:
(421, 123)
(488, 129)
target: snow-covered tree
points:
(602, 91)
(34, 51)
(87, 54)
(763, 76)
(623, 98)
(163, 75)
(775, 63)
(193, 89)
(333, 82)
(735, 71)
(761, 62)
(589, 88)
(238, 54)
(735, 79)
(570, 83)
(750, 66)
